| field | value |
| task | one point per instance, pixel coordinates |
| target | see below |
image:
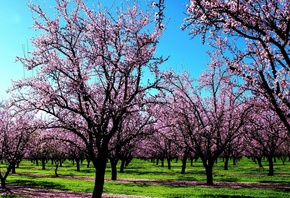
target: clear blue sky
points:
(16, 21)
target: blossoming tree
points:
(209, 116)
(16, 129)
(265, 133)
(89, 72)
(253, 38)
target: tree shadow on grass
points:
(228, 179)
(187, 178)
(38, 184)
(87, 171)
(225, 196)
(273, 182)
(136, 172)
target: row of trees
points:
(247, 130)
(212, 119)
(97, 85)
(207, 119)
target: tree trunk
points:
(208, 165)
(128, 161)
(36, 162)
(100, 167)
(4, 177)
(113, 169)
(3, 182)
(162, 162)
(283, 159)
(89, 161)
(191, 161)
(43, 163)
(13, 168)
(55, 170)
(183, 165)
(184, 160)
(169, 163)
(259, 159)
(234, 161)
(209, 177)
(123, 161)
(78, 164)
(271, 166)
(226, 163)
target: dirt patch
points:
(40, 192)
(50, 193)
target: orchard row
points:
(98, 91)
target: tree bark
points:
(100, 167)
(55, 170)
(113, 169)
(208, 165)
(209, 177)
(259, 159)
(123, 161)
(43, 163)
(184, 160)
(183, 165)
(169, 163)
(13, 168)
(234, 161)
(271, 166)
(283, 159)
(226, 163)
(4, 177)
(78, 164)
(89, 161)
(3, 182)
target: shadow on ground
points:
(29, 182)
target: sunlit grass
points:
(144, 189)
(245, 171)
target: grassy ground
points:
(245, 171)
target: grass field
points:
(245, 171)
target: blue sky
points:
(16, 21)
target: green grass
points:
(244, 171)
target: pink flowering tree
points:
(253, 39)
(169, 138)
(90, 73)
(234, 150)
(265, 134)
(135, 127)
(209, 115)
(283, 152)
(16, 129)
(36, 150)
(76, 150)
